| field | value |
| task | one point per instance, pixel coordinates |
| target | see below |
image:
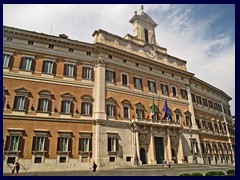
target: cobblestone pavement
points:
(144, 170)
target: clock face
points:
(149, 51)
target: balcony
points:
(160, 123)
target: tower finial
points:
(142, 8)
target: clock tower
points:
(144, 27)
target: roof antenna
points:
(51, 30)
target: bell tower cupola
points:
(144, 27)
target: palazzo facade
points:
(67, 103)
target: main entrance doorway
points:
(143, 156)
(159, 149)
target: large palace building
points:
(119, 101)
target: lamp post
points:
(190, 130)
(134, 128)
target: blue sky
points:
(203, 35)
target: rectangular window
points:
(66, 106)
(30, 42)
(86, 108)
(219, 107)
(50, 46)
(152, 86)
(193, 97)
(38, 160)
(48, 67)
(203, 124)
(43, 105)
(70, 50)
(84, 144)
(178, 118)
(210, 104)
(215, 127)
(20, 103)
(88, 53)
(6, 60)
(174, 91)
(210, 126)
(63, 159)
(14, 143)
(188, 121)
(146, 35)
(215, 106)
(38, 143)
(112, 144)
(26, 63)
(197, 123)
(199, 101)
(124, 79)
(69, 70)
(63, 144)
(140, 113)
(184, 94)
(110, 110)
(126, 112)
(110, 76)
(205, 102)
(87, 73)
(164, 88)
(137, 82)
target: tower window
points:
(146, 35)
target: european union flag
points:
(167, 115)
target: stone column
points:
(191, 110)
(180, 156)
(228, 134)
(168, 147)
(151, 148)
(137, 143)
(99, 90)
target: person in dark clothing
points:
(94, 168)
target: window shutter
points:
(15, 102)
(149, 85)
(162, 88)
(33, 65)
(79, 145)
(141, 83)
(91, 108)
(134, 80)
(49, 105)
(75, 71)
(143, 114)
(72, 108)
(109, 144)
(114, 77)
(39, 104)
(155, 87)
(43, 66)
(167, 89)
(34, 144)
(46, 146)
(90, 144)
(11, 62)
(92, 74)
(54, 68)
(21, 63)
(82, 107)
(115, 111)
(65, 70)
(21, 146)
(70, 144)
(117, 146)
(62, 106)
(83, 72)
(26, 104)
(58, 144)
(7, 143)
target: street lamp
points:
(134, 128)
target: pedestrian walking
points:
(17, 166)
(169, 164)
(13, 167)
(94, 167)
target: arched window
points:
(178, 115)
(45, 102)
(111, 107)
(140, 110)
(126, 108)
(67, 106)
(21, 99)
